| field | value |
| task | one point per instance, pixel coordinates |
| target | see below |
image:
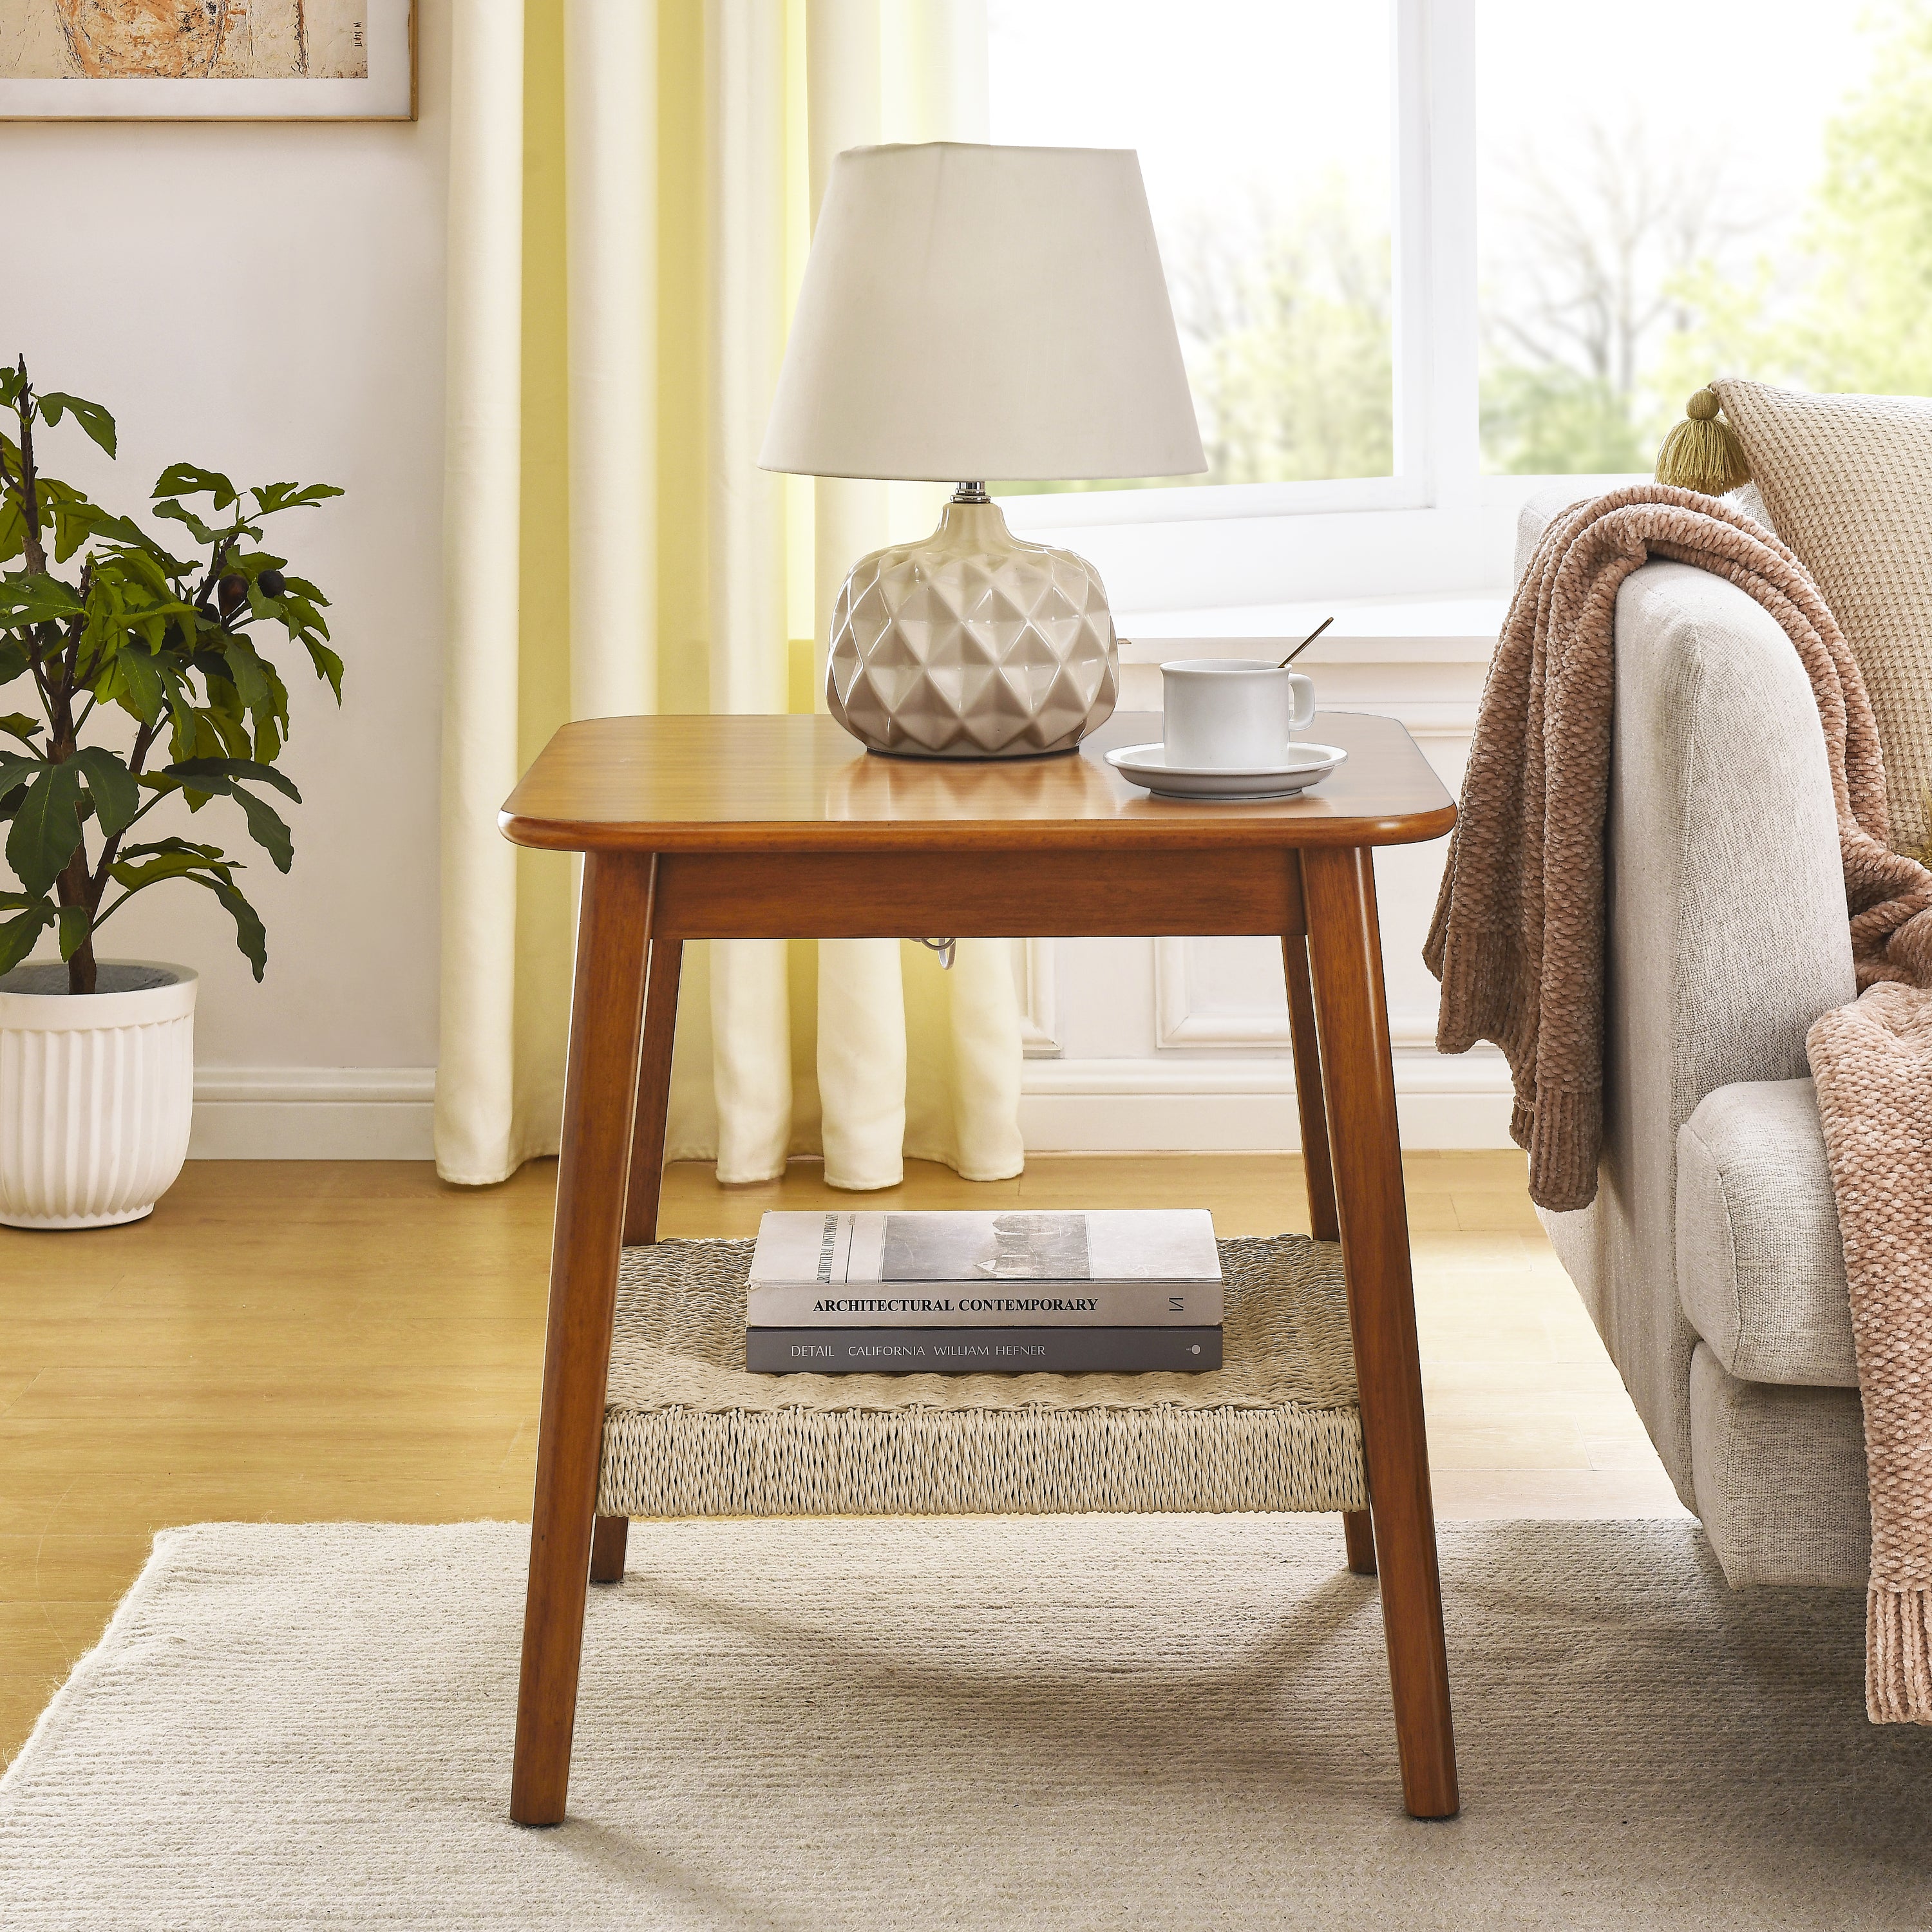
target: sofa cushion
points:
(1848, 481)
(1759, 1269)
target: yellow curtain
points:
(632, 190)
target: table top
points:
(801, 783)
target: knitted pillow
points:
(1848, 481)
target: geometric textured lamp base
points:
(971, 643)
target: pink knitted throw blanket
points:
(1518, 943)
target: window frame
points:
(1438, 502)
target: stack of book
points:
(1110, 1292)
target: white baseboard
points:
(1161, 1105)
(313, 1113)
(1177, 1105)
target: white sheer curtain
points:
(861, 1049)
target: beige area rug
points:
(1087, 1721)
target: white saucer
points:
(1304, 766)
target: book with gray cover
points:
(1103, 1268)
(965, 1351)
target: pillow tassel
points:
(1702, 452)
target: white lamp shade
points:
(975, 312)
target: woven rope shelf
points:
(688, 1432)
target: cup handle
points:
(1304, 703)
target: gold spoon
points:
(1304, 644)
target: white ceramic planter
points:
(96, 1092)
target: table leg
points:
(647, 1142)
(1345, 946)
(608, 1542)
(613, 1533)
(600, 1093)
(1358, 1535)
(1318, 1170)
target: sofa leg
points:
(1359, 1531)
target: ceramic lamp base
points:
(972, 644)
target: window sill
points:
(1452, 629)
(1420, 658)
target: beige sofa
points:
(1710, 1259)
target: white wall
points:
(267, 300)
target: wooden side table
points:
(760, 828)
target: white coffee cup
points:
(1232, 714)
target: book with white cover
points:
(1128, 1267)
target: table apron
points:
(1036, 893)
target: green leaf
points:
(141, 865)
(245, 668)
(270, 497)
(249, 936)
(327, 665)
(14, 659)
(124, 530)
(46, 828)
(169, 507)
(111, 786)
(146, 693)
(151, 569)
(186, 479)
(151, 871)
(18, 725)
(75, 923)
(91, 416)
(76, 518)
(38, 599)
(212, 853)
(18, 935)
(15, 770)
(267, 827)
(191, 771)
(227, 721)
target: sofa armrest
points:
(1534, 517)
(1537, 511)
(1728, 930)
(1727, 938)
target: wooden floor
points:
(294, 1342)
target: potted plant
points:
(152, 690)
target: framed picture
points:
(207, 60)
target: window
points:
(1679, 197)
(1270, 195)
(1424, 253)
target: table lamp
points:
(979, 312)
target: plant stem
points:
(30, 507)
(75, 886)
(215, 563)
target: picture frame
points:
(209, 60)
